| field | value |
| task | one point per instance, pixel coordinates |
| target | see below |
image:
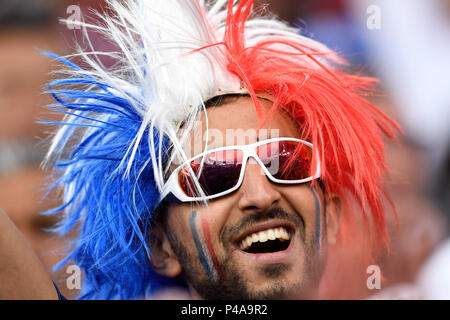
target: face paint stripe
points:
(207, 248)
(318, 206)
(198, 245)
(204, 250)
(207, 235)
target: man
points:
(284, 249)
(246, 217)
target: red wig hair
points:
(334, 115)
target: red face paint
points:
(206, 232)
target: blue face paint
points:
(201, 247)
(318, 205)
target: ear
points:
(163, 259)
(333, 209)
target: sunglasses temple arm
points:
(166, 189)
(318, 171)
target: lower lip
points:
(272, 257)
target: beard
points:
(234, 285)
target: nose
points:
(257, 193)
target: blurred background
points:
(404, 43)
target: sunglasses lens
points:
(219, 172)
(286, 160)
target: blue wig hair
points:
(115, 207)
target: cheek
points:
(209, 218)
(199, 227)
(183, 228)
(179, 220)
(302, 200)
(214, 217)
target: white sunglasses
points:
(220, 171)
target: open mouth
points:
(267, 241)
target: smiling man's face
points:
(263, 241)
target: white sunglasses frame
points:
(172, 185)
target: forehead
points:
(235, 121)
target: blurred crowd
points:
(408, 49)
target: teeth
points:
(285, 234)
(262, 236)
(277, 233)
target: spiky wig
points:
(121, 125)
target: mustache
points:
(254, 218)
